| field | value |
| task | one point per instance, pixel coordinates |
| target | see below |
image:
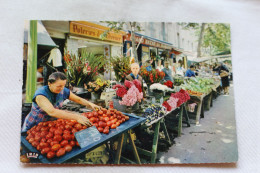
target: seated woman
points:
(48, 100)
(134, 75)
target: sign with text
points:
(88, 136)
(94, 30)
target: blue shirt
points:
(168, 74)
(37, 114)
(189, 73)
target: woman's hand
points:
(83, 120)
(94, 106)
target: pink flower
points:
(138, 85)
(132, 96)
(128, 83)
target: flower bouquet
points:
(121, 66)
(168, 84)
(130, 93)
(97, 86)
(153, 76)
(176, 100)
(82, 69)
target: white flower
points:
(158, 86)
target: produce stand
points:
(118, 132)
(160, 122)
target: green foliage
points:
(121, 66)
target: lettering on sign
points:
(88, 136)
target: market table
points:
(160, 122)
(120, 132)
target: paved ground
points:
(213, 141)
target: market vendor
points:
(190, 72)
(135, 68)
(48, 100)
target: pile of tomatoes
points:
(105, 119)
(54, 138)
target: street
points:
(213, 141)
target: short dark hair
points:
(56, 76)
(191, 66)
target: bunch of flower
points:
(82, 69)
(153, 76)
(169, 84)
(98, 85)
(160, 87)
(176, 100)
(154, 112)
(182, 95)
(129, 92)
(121, 66)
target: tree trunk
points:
(200, 39)
(132, 26)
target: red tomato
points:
(39, 148)
(68, 148)
(78, 126)
(92, 119)
(101, 119)
(54, 142)
(108, 113)
(38, 128)
(52, 129)
(33, 132)
(102, 124)
(95, 124)
(106, 119)
(77, 144)
(119, 117)
(58, 132)
(43, 144)
(113, 126)
(117, 124)
(90, 115)
(100, 112)
(50, 154)
(68, 127)
(43, 140)
(74, 130)
(37, 138)
(106, 131)
(40, 123)
(61, 127)
(49, 141)
(114, 121)
(44, 124)
(123, 119)
(45, 150)
(66, 137)
(66, 132)
(111, 118)
(109, 123)
(114, 115)
(49, 135)
(31, 140)
(100, 129)
(72, 137)
(56, 147)
(126, 118)
(95, 114)
(104, 115)
(64, 143)
(84, 127)
(44, 133)
(45, 128)
(35, 143)
(57, 138)
(51, 124)
(72, 143)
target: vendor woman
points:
(135, 68)
(48, 100)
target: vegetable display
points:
(201, 85)
(104, 119)
(54, 138)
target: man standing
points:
(167, 71)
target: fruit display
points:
(105, 119)
(54, 138)
(154, 112)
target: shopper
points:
(48, 100)
(190, 72)
(224, 74)
(167, 71)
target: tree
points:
(117, 27)
(213, 36)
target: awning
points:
(43, 36)
(202, 59)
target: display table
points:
(119, 132)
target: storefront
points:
(146, 47)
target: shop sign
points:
(94, 31)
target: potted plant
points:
(121, 66)
(97, 87)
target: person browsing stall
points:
(167, 71)
(48, 100)
(190, 72)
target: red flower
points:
(128, 83)
(167, 106)
(137, 83)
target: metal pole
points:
(31, 62)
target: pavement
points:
(213, 141)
